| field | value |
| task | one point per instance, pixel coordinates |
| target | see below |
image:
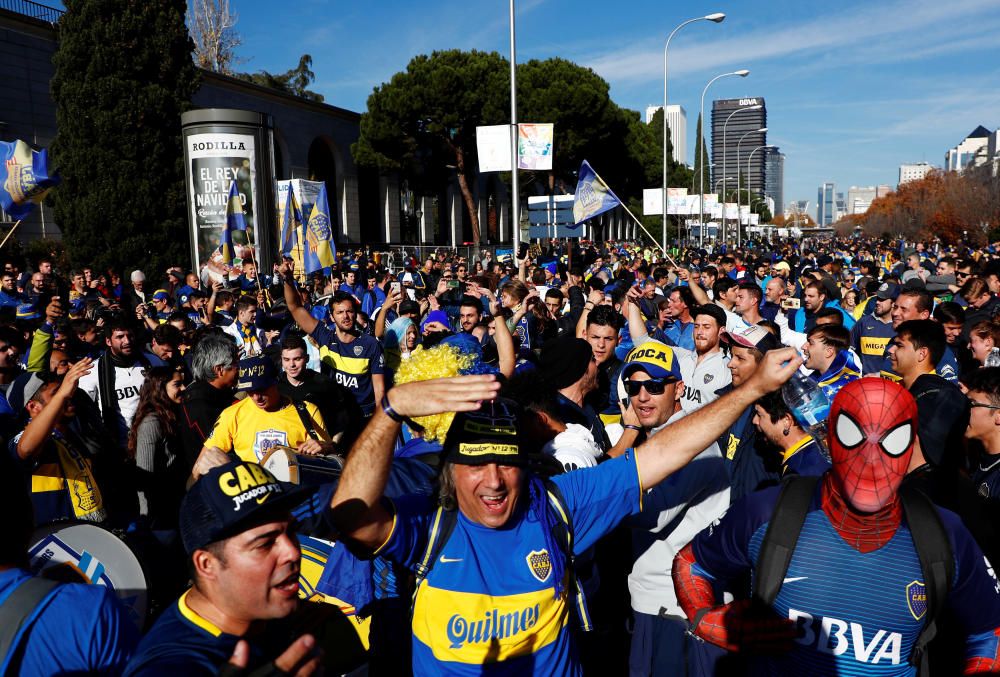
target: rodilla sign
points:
(221, 147)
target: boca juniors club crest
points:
(916, 599)
(539, 564)
(358, 350)
(266, 440)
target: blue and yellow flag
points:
(593, 196)
(24, 177)
(290, 222)
(235, 218)
(320, 251)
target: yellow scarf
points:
(80, 483)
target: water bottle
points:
(993, 359)
(809, 406)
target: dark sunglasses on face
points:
(653, 386)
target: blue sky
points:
(853, 89)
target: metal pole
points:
(740, 221)
(516, 197)
(725, 164)
(716, 17)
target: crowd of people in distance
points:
(578, 460)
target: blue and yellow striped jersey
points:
(489, 598)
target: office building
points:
(913, 172)
(774, 176)
(677, 123)
(860, 198)
(970, 152)
(826, 204)
(724, 150)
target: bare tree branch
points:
(213, 29)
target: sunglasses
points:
(983, 405)
(653, 386)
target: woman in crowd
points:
(154, 446)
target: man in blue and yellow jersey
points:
(871, 336)
(495, 580)
(352, 358)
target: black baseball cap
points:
(257, 373)
(232, 498)
(487, 435)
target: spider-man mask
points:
(871, 429)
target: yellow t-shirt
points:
(251, 432)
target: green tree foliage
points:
(295, 81)
(123, 75)
(699, 165)
(423, 122)
(588, 124)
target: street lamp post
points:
(748, 189)
(739, 198)
(725, 163)
(701, 151)
(717, 17)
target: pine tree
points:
(123, 76)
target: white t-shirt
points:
(128, 382)
(702, 379)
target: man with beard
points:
(871, 336)
(354, 359)
(704, 369)
(116, 379)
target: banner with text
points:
(534, 146)
(217, 161)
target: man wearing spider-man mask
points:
(853, 598)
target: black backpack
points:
(929, 537)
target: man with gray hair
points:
(214, 368)
(133, 296)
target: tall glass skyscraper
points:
(826, 206)
(727, 164)
(774, 177)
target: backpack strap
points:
(307, 421)
(565, 539)
(781, 536)
(18, 612)
(937, 562)
(441, 527)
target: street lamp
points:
(725, 165)
(748, 189)
(717, 17)
(739, 198)
(701, 150)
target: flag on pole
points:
(593, 196)
(320, 251)
(24, 177)
(290, 222)
(235, 220)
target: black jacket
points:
(199, 410)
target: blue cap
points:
(232, 498)
(27, 311)
(436, 316)
(161, 295)
(257, 373)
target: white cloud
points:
(899, 30)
